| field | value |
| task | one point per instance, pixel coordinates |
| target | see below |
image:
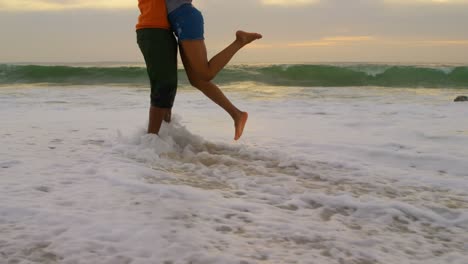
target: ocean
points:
(339, 163)
(304, 75)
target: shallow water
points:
(323, 175)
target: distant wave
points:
(283, 75)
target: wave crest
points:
(276, 75)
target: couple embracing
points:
(159, 21)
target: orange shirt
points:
(153, 14)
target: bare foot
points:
(239, 123)
(167, 116)
(245, 38)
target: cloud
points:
(332, 41)
(313, 44)
(439, 2)
(42, 5)
(429, 43)
(450, 42)
(260, 46)
(403, 2)
(349, 40)
(289, 2)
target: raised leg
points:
(216, 95)
(196, 54)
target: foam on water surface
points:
(278, 192)
(332, 178)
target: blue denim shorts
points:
(187, 23)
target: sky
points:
(295, 31)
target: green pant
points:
(159, 48)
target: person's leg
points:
(196, 54)
(216, 95)
(187, 22)
(156, 116)
(168, 116)
(159, 49)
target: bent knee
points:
(198, 83)
(208, 77)
(204, 75)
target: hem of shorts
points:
(164, 106)
(201, 38)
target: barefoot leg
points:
(156, 116)
(240, 124)
(216, 95)
(245, 38)
(196, 54)
(200, 72)
(168, 116)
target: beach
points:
(368, 169)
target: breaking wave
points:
(277, 75)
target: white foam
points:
(356, 175)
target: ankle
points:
(238, 43)
(236, 115)
(239, 115)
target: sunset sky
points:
(294, 30)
